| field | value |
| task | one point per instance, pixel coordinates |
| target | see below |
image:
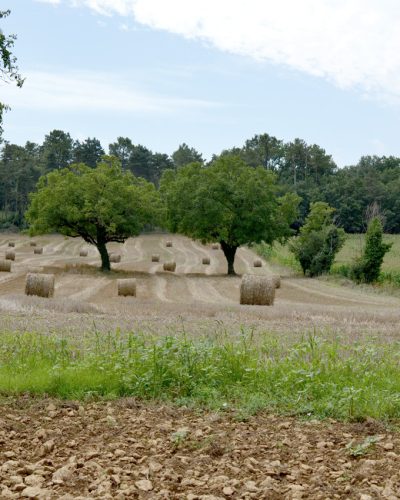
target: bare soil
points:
(126, 449)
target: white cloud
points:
(352, 43)
(92, 92)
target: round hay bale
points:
(83, 252)
(257, 290)
(5, 266)
(168, 244)
(38, 284)
(215, 246)
(155, 258)
(127, 287)
(38, 250)
(257, 263)
(206, 261)
(11, 244)
(115, 257)
(170, 266)
(10, 255)
(32, 243)
(277, 280)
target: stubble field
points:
(196, 296)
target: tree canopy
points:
(101, 204)
(185, 155)
(228, 202)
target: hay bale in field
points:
(206, 261)
(257, 290)
(277, 280)
(38, 250)
(10, 255)
(11, 244)
(41, 285)
(115, 258)
(215, 246)
(155, 258)
(257, 263)
(5, 266)
(168, 244)
(32, 243)
(83, 252)
(127, 287)
(170, 266)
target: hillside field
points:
(205, 399)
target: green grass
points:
(353, 247)
(313, 378)
(279, 255)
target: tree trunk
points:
(105, 259)
(229, 252)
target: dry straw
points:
(127, 287)
(168, 244)
(257, 290)
(257, 263)
(11, 244)
(83, 253)
(277, 280)
(38, 250)
(5, 266)
(115, 257)
(170, 266)
(35, 269)
(155, 258)
(41, 285)
(10, 255)
(215, 246)
(32, 243)
(206, 261)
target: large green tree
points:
(57, 151)
(9, 71)
(228, 202)
(101, 204)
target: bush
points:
(367, 268)
(319, 241)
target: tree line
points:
(303, 169)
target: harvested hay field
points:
(195, 295)
(125, 449)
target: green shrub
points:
(367, 268)
(319, 241)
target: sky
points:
(210, 73)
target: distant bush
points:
(366, 269)
(319, 241)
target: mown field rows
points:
(201, 295)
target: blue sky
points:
(211, 74)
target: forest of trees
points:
(306, 170)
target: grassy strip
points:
(278, 254)
(281, 256)
(314, 377)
